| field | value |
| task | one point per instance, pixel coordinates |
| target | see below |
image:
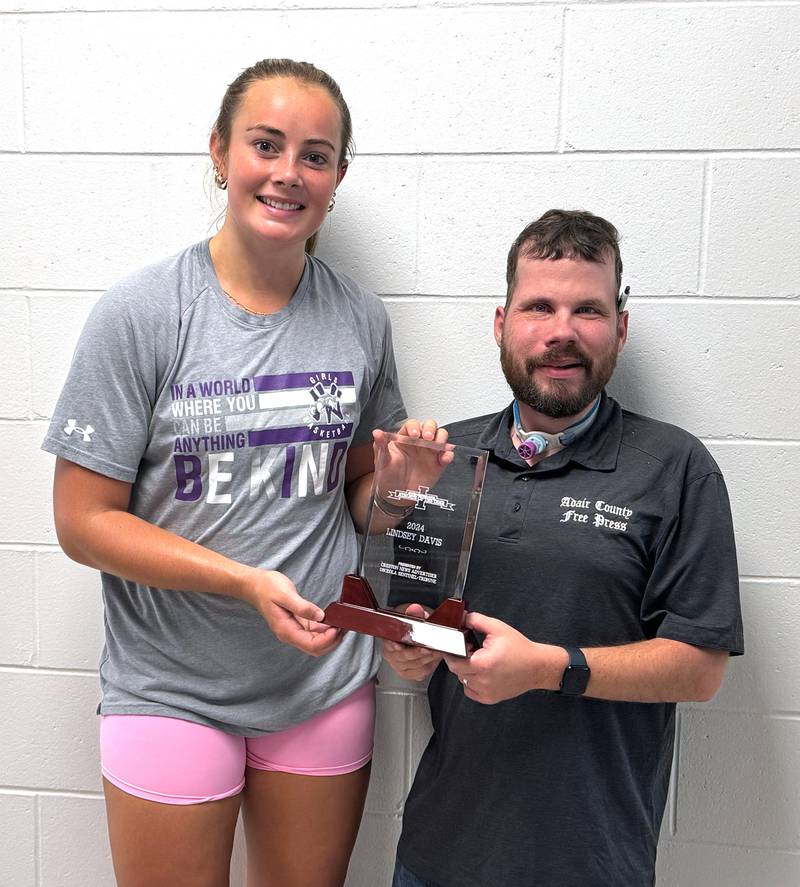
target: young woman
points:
(217, 412)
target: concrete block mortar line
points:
(37, 838)
(682, 4)
(45, 290)
(780, 716)
(422, 298)
(152, 178)
(705, 221)
(122, 9)
(589, 153)
(640, 153)
(776, 715)
(15, 420)
(792, 581)
(673, 777)
(16, 790)
(399, 6)
(36, 614)
(49, 671)
(88, 153)
(761, 153)
(406, 755)
(281, 7)
(408, 776)
(591, 4)
(752, 441)
(417, 689)
(21, 99)
(695, 299)
(49, 547)
(789, 850)
(689, 298)
(29, 356)
(562, 85)
(748, 714)
(449, 297)
(418, 190)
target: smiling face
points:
(282, 162)
(559, 337)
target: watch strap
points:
(576, 675)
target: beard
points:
(560, 398)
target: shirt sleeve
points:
(693, 591)
(384, 407)
(102, 418)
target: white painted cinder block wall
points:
(678, 121)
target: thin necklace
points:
(245, 308)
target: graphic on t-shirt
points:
(72, 426)
(290, 430)
(327, 399)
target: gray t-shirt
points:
(233, 429)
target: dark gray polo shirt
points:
(625, 535)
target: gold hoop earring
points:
(221, 183)
(332, 203)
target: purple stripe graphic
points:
(286, 487)
(267, 436)
(300, 380)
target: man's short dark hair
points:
(565, 234)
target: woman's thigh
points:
(165, 845)
(304, 796)
(172, 796)
(301, 829)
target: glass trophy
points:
(416, 548)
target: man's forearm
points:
(658, 670)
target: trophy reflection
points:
(416, 547)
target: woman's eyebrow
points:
(277, 133)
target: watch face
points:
(575, 679)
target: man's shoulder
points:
(467, 431)
(667, 443)
(653, 435)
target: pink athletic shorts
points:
(179, 762)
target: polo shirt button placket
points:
(514, 518)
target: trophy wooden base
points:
(358, 610)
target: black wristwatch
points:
(576, 674)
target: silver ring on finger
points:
(464, 681)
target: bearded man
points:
(603, 581)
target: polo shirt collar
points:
(597, 449)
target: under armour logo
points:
(72, 425)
